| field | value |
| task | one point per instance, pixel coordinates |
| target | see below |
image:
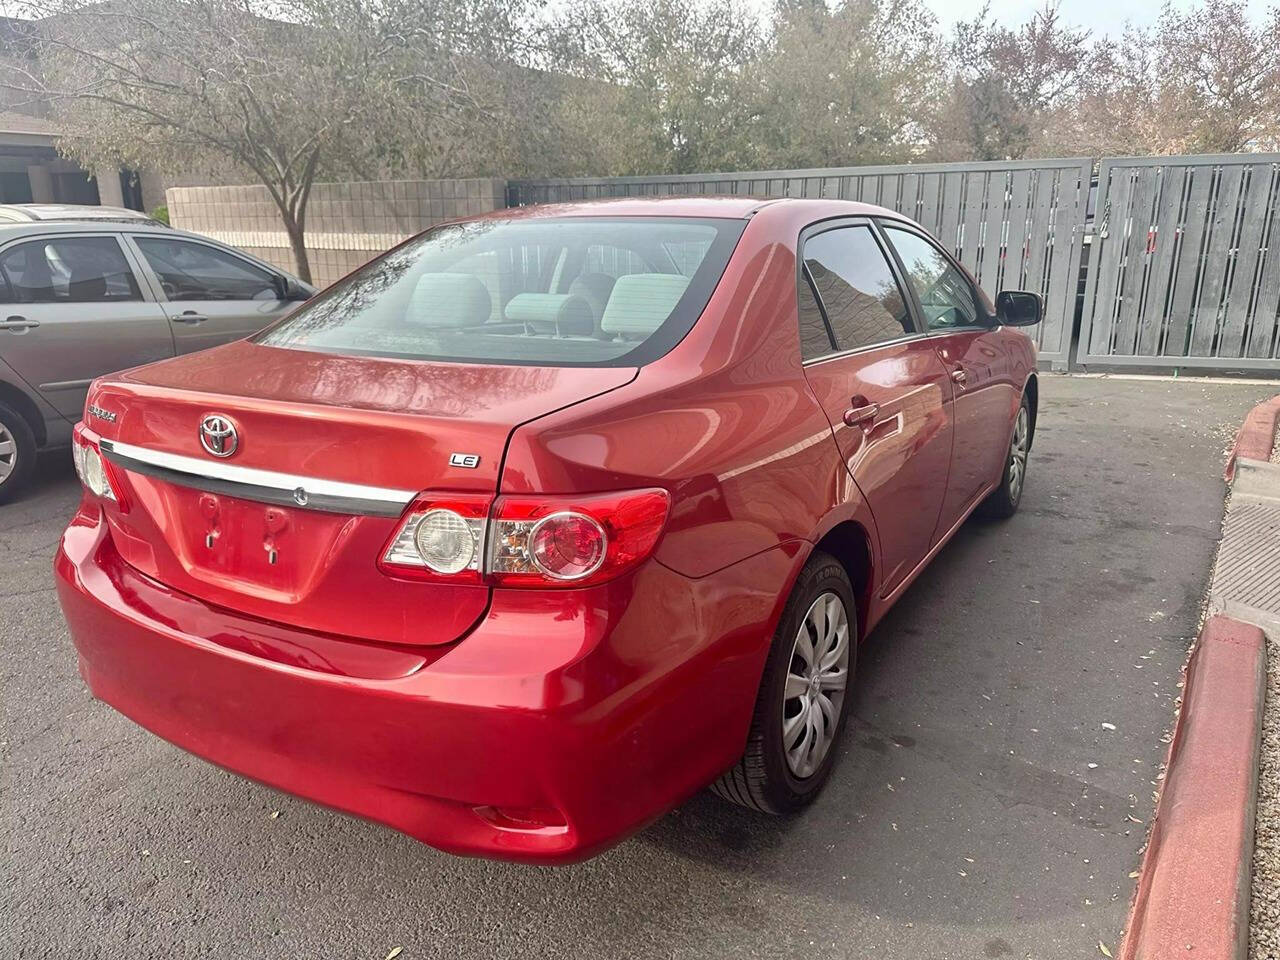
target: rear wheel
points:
(803, 699)
(1003, 501)
(17, 452)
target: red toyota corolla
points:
(543, 521)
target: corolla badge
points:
(218, 435)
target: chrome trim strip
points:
(853, 351)
(265, 486)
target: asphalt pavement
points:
(991, 798)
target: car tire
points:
(17, 452)
(770, 777)
(1003, 502)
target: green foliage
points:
(161, 213)
(283, 92)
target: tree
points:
(286, 91)
(1011, 88)
(662, 85)
(849, 84)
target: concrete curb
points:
(1256, 434)
(1193, 890)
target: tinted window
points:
(193, 271)
(945, 293)
(857, 288)
(556, 291)
(815, 340)
(69, 270)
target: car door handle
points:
(190, 316)
(855, 416)
(18, 324)
(959, 376)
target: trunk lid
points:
(359, 437)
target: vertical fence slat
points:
(993, 230)
(1135, 261)
(1015, 251)
(930, 199)
(970, 240)
(1226, 208)
(1239, 294)
(1110, 242)
(952, 194)
(1262, 334)
(1188, 261)
(1165, 241)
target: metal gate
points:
(1184, 265)
(1016, 225)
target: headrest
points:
(640, 302)
(594, 288)
(559, 313)
(449, 300)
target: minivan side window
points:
(193, 271)
(856, 288)
(68, 270)
(946, 296)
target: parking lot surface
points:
(991, 798)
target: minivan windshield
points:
(586, 291)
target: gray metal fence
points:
(1016, 224)
(1184, 269)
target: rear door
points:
(881, 384)
(74, 309)
(968, 345)
(210, 295)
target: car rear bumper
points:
(563, 721)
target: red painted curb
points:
(1193, 890)
(1256, 435)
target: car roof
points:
(44, 212)
(732, 207)
(46, 227)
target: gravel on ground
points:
(1264, 920)
(1264, 928)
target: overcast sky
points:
(1100, 16)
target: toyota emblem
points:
(218, 435)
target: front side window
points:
(193, 271)
(856, 288)
(68, 270)
(946, 296)
(588, 291)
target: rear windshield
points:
(555, 292)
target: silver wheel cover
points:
(817, 676)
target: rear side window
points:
(68, 270)
(587, 291)
(856, 288)
(193, 271)
(815, 338)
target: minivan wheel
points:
(17, 452)
(804, 696)
(1003, 501)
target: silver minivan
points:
(80, 298)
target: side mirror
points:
(1019, 308)
(291, 288)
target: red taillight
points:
(527, 541)
(94, 472)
